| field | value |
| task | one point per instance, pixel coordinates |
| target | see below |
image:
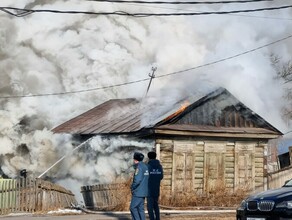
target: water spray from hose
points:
(62, 158)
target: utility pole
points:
(152, 76)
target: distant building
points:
(279, 155)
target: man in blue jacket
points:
(139, 187)
(155, 177)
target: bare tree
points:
(284, 73)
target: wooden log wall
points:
(230, 166)
(33, 195)
(166, 158)
(260, 167)
(199, 167)
(234, 164)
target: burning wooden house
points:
(200, 142)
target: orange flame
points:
(180, 110)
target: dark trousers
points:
(153, 208)
(137, 208)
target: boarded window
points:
(214, 171)
(214, 165)
(183, 167)
(244, 165)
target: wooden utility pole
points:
(152, 76)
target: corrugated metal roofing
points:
(116, 115)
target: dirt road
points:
(165, 215)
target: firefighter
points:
(155, 177)
(139, 187)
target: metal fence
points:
(33, 195)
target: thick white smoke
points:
(46, 53)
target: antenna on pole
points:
(152, 76)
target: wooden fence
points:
(32, 195)
(106, 196)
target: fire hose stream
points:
(62, 158)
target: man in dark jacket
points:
(155, 177)
(139, 187)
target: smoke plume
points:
(45, 53)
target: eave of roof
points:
(212, 131)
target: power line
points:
(72, 92)
(227, 58)
(21, 12)
(163, 75)
(181, 2)
(240, 15)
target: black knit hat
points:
(152, 155)
(138, 156)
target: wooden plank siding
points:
(214, 166)
(208, 113)
(200, 166)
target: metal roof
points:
(115, 115)
(131, 115)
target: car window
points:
(288, 183)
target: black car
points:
(275, 204)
